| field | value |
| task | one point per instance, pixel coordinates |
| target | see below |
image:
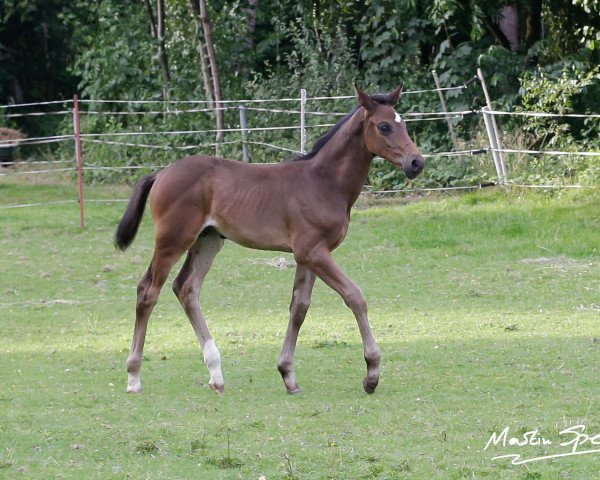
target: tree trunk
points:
(533, 32)
(509, 25)
(214, 69)
(157, 31)
(250, 12)
(496, 32)
(162, 49)
(204, 63)
(151, 19)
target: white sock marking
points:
(133, 383)
(212, 358)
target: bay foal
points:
(302, 207)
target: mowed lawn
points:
(486, 308)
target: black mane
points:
(320, 143)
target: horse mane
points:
(320, 143)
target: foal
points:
(302, 207)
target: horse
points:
(300, 206)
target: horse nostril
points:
(416, 166)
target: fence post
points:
(244, 127)
(302, 121)
(489, 128)
(445, 110)
(78, 157)
(493, 132)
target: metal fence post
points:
(489, 128)
(493, 132)
(244, 127)
(445, 110)
(303, 121)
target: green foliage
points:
(322, 65)
(562, 89)
(116, 61)
(590, 34)
(555, 88)
(35, 55)
(566, 21)
(390, 36)
(272, 49)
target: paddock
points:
(485, 307)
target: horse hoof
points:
(218, 388)
(294, 391)
(134, 391)
(369, 386)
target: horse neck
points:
(344, 161)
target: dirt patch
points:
(280, 263)
(560, 262)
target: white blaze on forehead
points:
(398, 118)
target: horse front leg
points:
(303, 285)
(321, 262)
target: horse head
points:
(385, 133)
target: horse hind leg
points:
(187, 287)
(147, 295)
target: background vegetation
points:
(536, 54)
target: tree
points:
(157, 30)
(35, 50)
(590, 33)
(208, 59)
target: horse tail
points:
(129, 224)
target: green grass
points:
(485, 307)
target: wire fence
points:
(265, 130)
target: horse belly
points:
(256, 234)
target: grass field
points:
(486, 308)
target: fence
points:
(295, 118)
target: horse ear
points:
(364, 99)
(395, 95)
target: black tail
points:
(129, 224)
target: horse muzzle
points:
(412, 165)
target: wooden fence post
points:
(244, 127)
(445, 110)
(78, 157)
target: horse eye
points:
(385, 128)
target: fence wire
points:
(259, 135)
